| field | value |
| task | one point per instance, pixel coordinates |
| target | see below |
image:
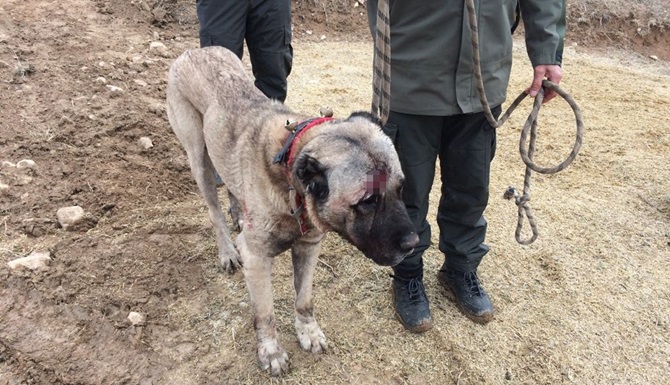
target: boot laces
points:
(415, 288)
(472, 282)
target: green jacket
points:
(431, 53)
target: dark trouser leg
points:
(268, 35)
(266, 26)
(222, 23)
(417, 141)
(468, 146)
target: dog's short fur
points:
(226, 125)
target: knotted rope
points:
(522, 200)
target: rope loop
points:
(526, 144)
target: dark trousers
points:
(465, 145)
(266, 27)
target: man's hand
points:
(553, 73)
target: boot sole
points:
(421, 328)
(449, 293)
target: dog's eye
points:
(369, 202)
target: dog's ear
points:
(312, 176)
(366, 115)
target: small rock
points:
(3, 186)
(36, 260)
(137, 319)
(158, 48)
(323, 37)
(144, 6)
(244, 305)
(8, 164)
(156, 109)
(101, 80)
(93, 117)
(308, 32)
(145, 142)
(114, 88)
(67, 216)
(25, 163)
(653, 57)
(156, 35)
(140, 83)
(102, 64)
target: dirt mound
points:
(642, 26)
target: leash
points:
(381, 77)
(530, 126)
(381, 106)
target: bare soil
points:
(588, 303)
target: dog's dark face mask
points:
(380, 227)
(353, 185)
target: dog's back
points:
(192, 74)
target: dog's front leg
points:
(258, 276)
(305, 254)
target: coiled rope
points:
(381, 106)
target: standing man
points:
(266, 27)
(436, 114)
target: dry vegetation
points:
(588, 303)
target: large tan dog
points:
(287, 189)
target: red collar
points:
(286, 156)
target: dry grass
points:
(586, 304)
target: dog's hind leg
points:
(305, 255)
(188, 126)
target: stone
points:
(25, 163)
(68, 216)
(137, 319)
(145, 142)
(157, 47)
(36, 260)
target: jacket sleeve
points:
(544, 25)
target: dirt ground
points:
(587, 303)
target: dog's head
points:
(352, 181)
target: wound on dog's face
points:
(375, 182)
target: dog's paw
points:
(311, 336)
(230, 259)
(272, 357)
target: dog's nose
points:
(408, 242)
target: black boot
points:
(464, 288)
(411, 303)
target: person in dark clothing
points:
(265, 25)
(435, 114)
